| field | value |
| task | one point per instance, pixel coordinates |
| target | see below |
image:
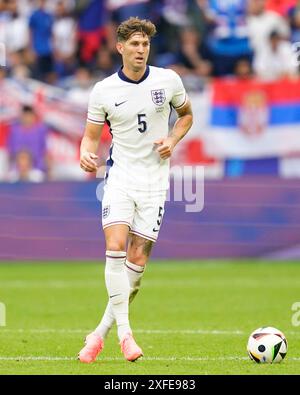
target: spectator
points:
(261, 23)
(172, 18)
(26, 7)
(22, 59)
(18, 68)
(243, 69)
(105, 63)
(17, 32)
(197, 17)
(294, 18)
(4, 20)
(92, 29)
(192, 59)
(24, 170)
(275, 61)
(64, 40)
(41, 24)
(29, 134)
(69, 5)
(228, 37)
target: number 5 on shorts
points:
(159, 219)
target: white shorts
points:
(141, 211)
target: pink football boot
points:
(93, 346)
(130, 349)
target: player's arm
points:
(89, 146)
(180, 129)
(183, 122)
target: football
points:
(267, 345)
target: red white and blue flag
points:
(251, 119)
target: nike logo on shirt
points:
(118, 104)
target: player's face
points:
(135, 51)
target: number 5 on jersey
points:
(142, 123)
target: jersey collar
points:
(124, 78)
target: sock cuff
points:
(115, 254)
(134, 267)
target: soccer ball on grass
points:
(267, 345)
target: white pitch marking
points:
(142, 331)
(145, 331)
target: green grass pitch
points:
(189, 317)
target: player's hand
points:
(88, 161)
(165, 147)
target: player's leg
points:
(117, 286)
(116, 237)
(146, 224)
(138, 248)
(116, 279)
(134, 272)
(149, 207)
(139, 251)
(117, 214)
(144, 232)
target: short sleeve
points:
(179, 97)
(96, 112)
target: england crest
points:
(105, 212)
(158, 96)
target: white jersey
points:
(138, 113)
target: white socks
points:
(117, 286)
(123, 282)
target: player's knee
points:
(139, 250)
(115, 245)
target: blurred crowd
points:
(62, 41)
(71, 44)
